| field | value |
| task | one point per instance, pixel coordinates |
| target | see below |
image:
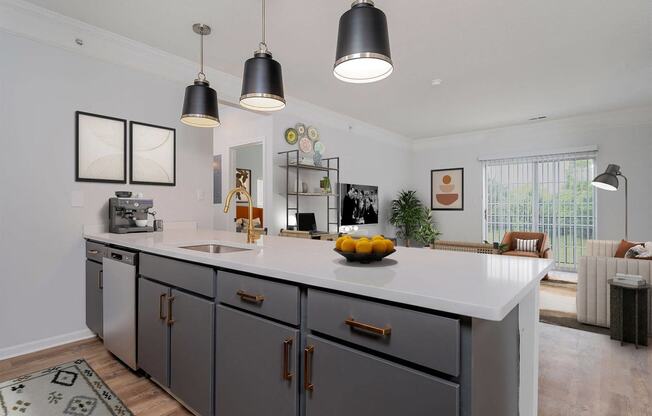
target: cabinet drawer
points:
(95, 251)
(192, 277)
(271, 299)
(373, 386)
(429, 340)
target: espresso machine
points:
(126, 213)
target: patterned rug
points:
(67, 389)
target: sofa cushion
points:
(526, 245)
(624, 247)
(521, 254)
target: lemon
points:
(348, 245)
(377, 237)
(338, 243)
(389, 246)
(363, 247)
(378, 246)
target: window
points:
(552, 194)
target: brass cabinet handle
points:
(369, 328)
(287, 357)
(307, 368)
(170, 321)
(100, 277)
(160, 306)
(249, 297)
(93, 252)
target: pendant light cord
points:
(263, 43)
(201, 76)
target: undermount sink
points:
(215, 248)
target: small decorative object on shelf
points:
(316, 158)
(325, 185)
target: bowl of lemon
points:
(364, 250)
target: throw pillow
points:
(526, 245)
(623, 247)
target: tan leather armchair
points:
(509, 241)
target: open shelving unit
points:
(331, 168)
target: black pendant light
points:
(200, 101)
(262, 82)
(363, 45)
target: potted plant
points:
(407, 215)
(427, 233)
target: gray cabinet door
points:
(94, 297)
(346, 382)
(191, 351)
(256, 366)
(152, 330)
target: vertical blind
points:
(548, 193)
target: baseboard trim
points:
(43, 344)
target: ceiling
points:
(501, 62)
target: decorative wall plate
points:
(305, 145)
(313, 134)
(301, 129)
(291, 136)
(320, 147)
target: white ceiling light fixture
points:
(363, 53)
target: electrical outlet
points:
(77, 199)
(200, 194)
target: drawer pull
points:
(287, 356)
(247, 297)
(307, 368)
(100, 279)
(161, 300)
(170, 320)
(93, 252)
(385, 332)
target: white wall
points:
(41, 249)
(623, 137)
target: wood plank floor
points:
(581, 374)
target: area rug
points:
(67, 389)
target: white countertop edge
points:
(427, 302)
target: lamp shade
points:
(608, 180)
(262, 83)
(363, 53)
(200, 105)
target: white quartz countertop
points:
(477, 285)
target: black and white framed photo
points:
(447, 189)
(359, 204)
(100, 148)
(152, 156)
(242, 180)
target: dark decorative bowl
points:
(363, 258)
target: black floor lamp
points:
(609, 182)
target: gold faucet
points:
(252, 235)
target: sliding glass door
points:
(552, 194)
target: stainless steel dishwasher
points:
(120, 282)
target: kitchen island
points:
(288, 327)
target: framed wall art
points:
(100, 148)
(152, 156)
(447, 189)
(242, 180)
